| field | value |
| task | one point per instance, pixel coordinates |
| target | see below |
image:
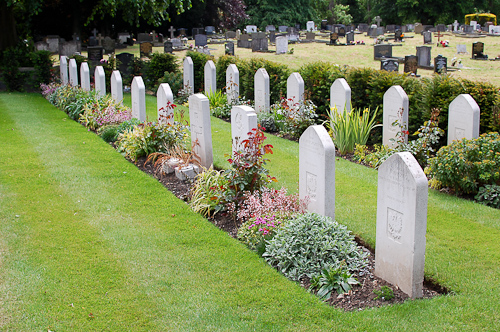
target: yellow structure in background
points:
(481, 18)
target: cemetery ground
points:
(89, 242)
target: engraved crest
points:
(238, 122)
(459, 133)
(311, 185)
(394, 224)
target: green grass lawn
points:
(88, 242)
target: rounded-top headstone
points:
(100, 81)
(199, 115)
(73, 72)
(63, 68)
(261, 90)
(232, 83)
(210, 77)
(463, 118)
(295, 88)
(395, 108)
(243, 120)
(188, 74)
(164, 100)
(117, 86)
(138, 94)
(340, 95)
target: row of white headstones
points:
(402, 184)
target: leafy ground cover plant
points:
(466, 165)
(311, 243)
(349, 128)
(385, 293)
(104, 111)
(489, 195)
(331, 280)
(293, 118)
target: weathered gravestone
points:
(411, 64)
(69, 48)
(251, 28)
(73, 72)
(340, 95)
(144, 37)
(230, 34)
(117, 86)
(468, 29)
(125, 59)
(391, 28)
(494, 29)
(272, 37)
(229, 46)
(168, 47)
(259, 42)
(310, 26)
(138, 94)
(401, 223)
(382, 51)
(419, 28)
(424, 56)
(295, 88)
(427, 37)
(123, 37)
(398, 35)
(95, 54)
(463, 118)
(100, 81)
(109, 45)
(200, 40)
(42, 46)
(244, 41)
(146, 49)
(177, 43)
(477, 51)
(317, 170)
(210, 78)
(232, 84)
(201, 134)
(85, 76)
(349, 37)
(63, 69)
(310, 35)
(270, 28)
(164, 102)
(243, 120)
(198, 31)
(53, 42)
(389, 65)
(441, 28)
(210, 30)
(282, 28)
(395, 116)
(334, 38)
(461, 49)
(380, 31)
(188, 76)
(261, 91)
(440, 64)
(363, 27)
(281, 45)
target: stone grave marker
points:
(349, 37)
(340, 95)
(210, 30)
(53, 41)
(261, 91)
(419, 28)
(123, 37)
(293, 37)
(468, 29)
(198, 31)
(232, 84)
(389, 65)
(461, 49)
(391, 28)
(243, 120)
(42, 46)
(494, 29)
(404, 29)
(427, 37)
(395, 108)
(73, 72)
(138, 94)
(238, 34)
(259, 42)
(401, 223)
(182, 32)
(230, 34)
(244, 41)
(310, 26)
(168, 47)
(463, 118)
(251, 28)
(398, 35)
(109, 45)
(317, 170)
(176, 43)
(382, 51)
(295, 88)
(188, 75)
(342, 31)
(477, 51)
(270, 28)
(282, 28)
(100, 81)
(455, 26)
(63, 69)
(199, 115)
(272, 37)
(363, 27)
(200, 40)
(441, 28)
(229, 48)
(440, 64)
(310, 36)
(85, 76)
(281, 45)
(125, 61)
(144, 37)
(117, 86)
(95, 54)
(210, 78)
(164, 100)
(334, 38)
(146, 49)
(380, 31)
(411, 64)
(424, 56)
(69, 48)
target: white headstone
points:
(401, 223)
(395, 109)
(210, 78)
(494, 29)
(310, 26)
(85, 76)
(317, 170)
(164, 102)
(461, 48)
(138, 94)
(455, 26)
(251, 28)
(117, 86)
(473, 24)
(189, 74)
(199, 115)
(63, 68)
(261, 90)
(295, 88)
(232, 83)
(340, 95)
(281, 45)
(243, 120)
(100, 81)
(73, 72)
(463, 118)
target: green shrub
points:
(489, 195)
(82, 98)
(385, 293)
(43, 63)
(293, 118)
(159, 64)
(104, 111)
(174, 80)
(108, 133)
(310, 243)
(12, 59)
(199, 61)
(487, 96)
(466, 165)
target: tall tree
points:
(278, 12)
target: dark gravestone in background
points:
(168, 47)
(229, 48)
(411, 64)
(389, 65)
(125, 59)
(382, 51)
(440, 64)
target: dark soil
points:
(360, 297)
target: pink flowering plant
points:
(103, 112)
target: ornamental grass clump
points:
(311, 243)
